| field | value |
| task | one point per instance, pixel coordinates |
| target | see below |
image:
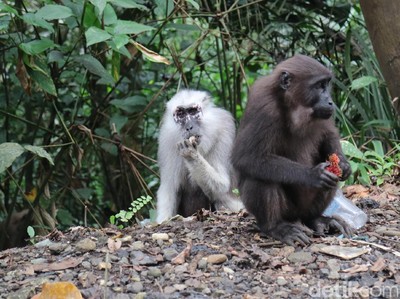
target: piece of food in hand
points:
(334, 167)
(192, 139)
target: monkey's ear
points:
(285, 79)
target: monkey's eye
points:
(193, 111)
(180, 113)
(323, 84)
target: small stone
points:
(44, 243)
(301, 257)
(170, 253)
(87, 265)
(141, 295)
(180, 287)
(217, 258)
(138, 245)
(202, 264)
(169, 290)
(85, 245)
(181, 268)
(104, 265)
(160, 236)
(281, 281)
(57, 248)
(154, 272)
(39, 261)
(228, 270)
(206, 291)
(135, 287)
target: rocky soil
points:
(215, 255)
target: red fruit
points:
(334, 165)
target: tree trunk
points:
(381, 18)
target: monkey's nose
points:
(189, 128)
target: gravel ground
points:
(215, 255)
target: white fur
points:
(209, 167)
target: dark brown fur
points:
(281, 148)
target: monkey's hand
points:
(323, 225)
(188, 149)
(346, 168)
(322, 178)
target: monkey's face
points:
(189, 120)
(321, 101)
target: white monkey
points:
(195, 144)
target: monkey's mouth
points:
(323, 114)
(193, 138)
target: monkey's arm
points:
(212, 180)
(277, 169)
(212, 176)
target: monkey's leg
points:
(269, 204)
(213, 180)
(167, 201)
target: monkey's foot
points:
(323, 225)
(291, 233)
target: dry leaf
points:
(59, 290)
(22, 75)
(114, 245)
(379, 265)
(357, 191)
(356, 269)
(181, 257)
(152, 56)
(346, 253)
(60, 265)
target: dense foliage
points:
(87, 81)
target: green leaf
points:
(7, 8)
(44, 81)
(34, 20)
(96, 35)
(100, 5)
(85, 193)
(128, 4)
(54, 12)
(37, 46)
(56, 56)
(30, 231)
(95, 67)
(120, 40)
(183, 27)
(130, 104)
(119, 121)
(90, 17)
(164, 8)
(363, 82)
(130, 27)
(350, 150)
(39, 151)
(9, 151)
(194, 3)
(112, 219)
(110, 148)
(378, 147)
(110, 17)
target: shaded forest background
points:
(84, 84)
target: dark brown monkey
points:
(284, 140)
